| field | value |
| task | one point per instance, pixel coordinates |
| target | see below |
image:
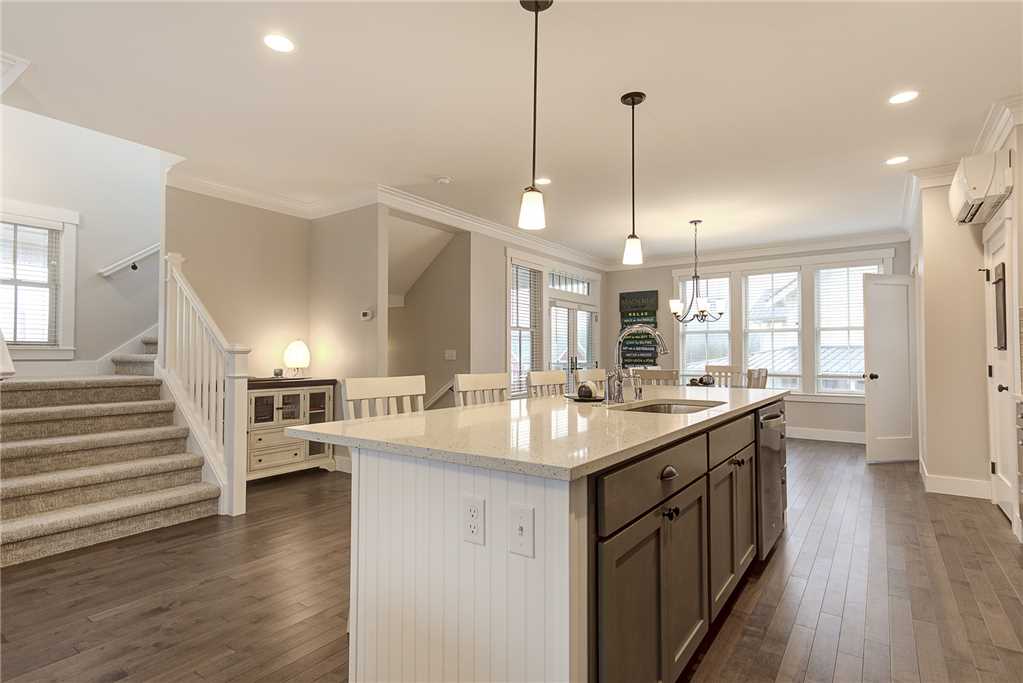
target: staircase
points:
(90, 459)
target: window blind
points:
(29, 283)
(706, 343)
(526, 345)
(561, 354)
(568, 283)
(839, 338)
(771, 324)
(586, 354)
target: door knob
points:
(1002, 387)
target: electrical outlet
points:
(450, 354)
(520, 530)
(474, 520)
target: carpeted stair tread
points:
(82, 442)
(84, 410)
(78, 382)
(14, 487)
(133, 357)
(80, 516)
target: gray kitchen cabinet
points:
(652, 599)
(733, 524)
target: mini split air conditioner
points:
(980, 186)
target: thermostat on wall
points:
(366, 315)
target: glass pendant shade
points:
(531, 214)
(633, 255)
(675, 305)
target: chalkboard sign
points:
(638, 307)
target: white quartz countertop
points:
(551, 437)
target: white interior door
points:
(1001, 404)
(888, 342)
(573, 339)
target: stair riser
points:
(133, 368)
(150, 347)
(84, 425)
(66, 397)
(53, 500)
(44, 546)
(36, 464)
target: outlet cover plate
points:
(521, 529)
(474, 520)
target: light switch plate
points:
(521, 530)
(449, 354)
(474, 520)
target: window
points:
(572, 339)
(29, 284)
(568, 283)
(839, 339)
(526, 345)
(771, 336)
(706, 343)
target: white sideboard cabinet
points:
(276, 403)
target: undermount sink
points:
(672, 407)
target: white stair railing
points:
(208, 377)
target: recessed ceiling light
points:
(542, 181)
(895, 161)
(903, 97)
(278, 43)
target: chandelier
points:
(699, 309)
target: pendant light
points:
(633, 254)
(699, 309)
(531, 213)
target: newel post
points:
(168, 310)
(236, 415)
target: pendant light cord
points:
(633, 108)
(536, 61)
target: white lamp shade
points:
(702, 305)
(633, 255)
(296, 355)
(531, 215)
(675, 305)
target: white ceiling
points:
(411, 248)
(767, 120)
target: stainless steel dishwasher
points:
(772, 494)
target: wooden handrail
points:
(129, 260)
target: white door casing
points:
(998, 249)
(888, 337)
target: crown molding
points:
(12, 67)
(866, 239)
(935, 176)
(273, 202)
(1001, 118)
(441, 213)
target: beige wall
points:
(435, 317)
(248, 266)
(830, 416)
(345, 276)
(952, 337)
(116, 186)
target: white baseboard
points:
(825, 435)
(955, 486)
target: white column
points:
(236, 413)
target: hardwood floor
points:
(263, 597)
(875, 581)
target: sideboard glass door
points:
(262, 408)
(290, 407)
(320, 402)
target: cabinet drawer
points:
(270, 438)
(284, 456)
(729, 439)
(626, 493)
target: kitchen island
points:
(547, 540)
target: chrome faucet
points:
(615, 373)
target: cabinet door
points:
(262, 408)
(684, 591)
(745, 509)
(629, 569)
(721, 509)
(290, 406)
(319, 410)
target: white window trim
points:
(546, 266)
(66, 221)
(806, 266)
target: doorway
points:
(573, 338)
(998, 295)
